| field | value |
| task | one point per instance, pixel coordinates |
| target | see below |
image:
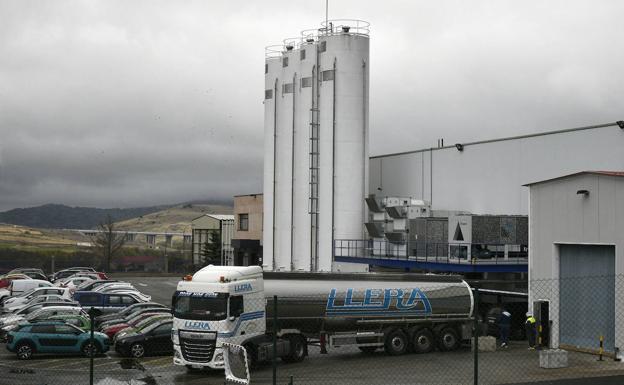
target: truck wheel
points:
(252, 355)
(298, 349)
(422, 341)
(25, 350)
(448, 339)
(396, 343)
(368, 349)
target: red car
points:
(6, 281)
(114, 329)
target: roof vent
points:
(345, 28)
(289, 48)
(309, 40)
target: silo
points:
(320, 157)
(272, 72)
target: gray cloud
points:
(117, 103)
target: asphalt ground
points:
(342, 366)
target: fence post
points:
(92, 342)
(274, 358)
(475, 334)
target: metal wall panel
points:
(587, 295)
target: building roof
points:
(605, 173)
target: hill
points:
(175, 219)
(55, 216)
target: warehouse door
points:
(587, 295)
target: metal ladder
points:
(314, 181)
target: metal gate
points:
(587, 295)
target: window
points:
(302, 54)
(243, 222)
(237, 306)
(266, 68)
(200, 306)
(114, 300)
(306, 82)
(164, 329)
(285, 62)
(287, 88)
(65, 329)
(327, 75)
(48, 329)
(127, 300)
(323, 46)
(268, 94)
(89, 299)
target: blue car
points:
(54, 337)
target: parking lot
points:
(344, 366)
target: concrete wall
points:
(558, 215)
(487, 178)
(251, 205)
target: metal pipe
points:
(333, 198)
(292, 180)
(274, 163)
(312, 214)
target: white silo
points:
(319, 155)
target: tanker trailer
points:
(400, 313)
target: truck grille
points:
(197, 347)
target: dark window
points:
(287, 88)
(243, 222)
(114, 300)
(65, 329)
(266, 68)
(268, 94)
(43, 329)
(327, 75)
(306, 82)
(88, 299)
(163, 329)
(285, 62)
(198, 306)
(323, 46)
(237, 306)
(302, 54)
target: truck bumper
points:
(215, 363)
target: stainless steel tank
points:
(312, 302)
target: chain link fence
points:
(376, 336)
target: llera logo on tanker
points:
(378, 302)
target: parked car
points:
(54, 337)
(114, 285)
(105, 302)
(72, 282)
(111, 330)
(41, 314)
(127, 311)
(26, 269)
(24, 285)
(6, 279)
(89, 286)
(143, 324)
(36, 292)
(11, 317)
(65, 273)
(12, 307)
(144, 297)
(127, 317)
(36, 275)
(80, 320)
(152, 340)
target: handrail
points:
(329, 27)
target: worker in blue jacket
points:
(504, 326)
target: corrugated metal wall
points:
(587, 295)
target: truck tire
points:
(396, 342)
(298, 348)
(448, 339)
(252, 355)
(423, 341)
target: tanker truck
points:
(399, 313)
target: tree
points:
(108, 241)
(211, 249)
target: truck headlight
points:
(175, 337)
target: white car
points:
(113, 285)
(27, 296)
(38, 299)
(73, 282)
(30, 309)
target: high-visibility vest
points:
(531, 320)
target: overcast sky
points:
(125, 103)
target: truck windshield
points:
(200, 306)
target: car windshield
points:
(146, 322)
(200, 306)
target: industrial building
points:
(576, 257)
(247, 238)
(458, 208)
(206, 229)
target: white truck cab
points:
(218, 304)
